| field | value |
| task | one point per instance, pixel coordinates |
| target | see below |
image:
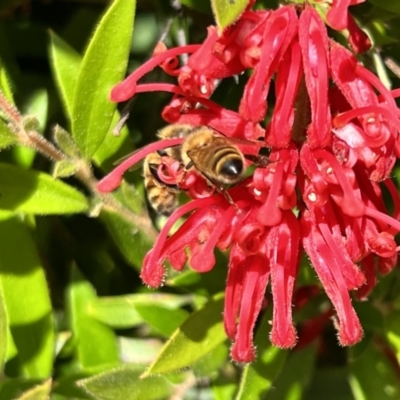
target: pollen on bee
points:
(312, 197)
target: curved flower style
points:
(333, 135)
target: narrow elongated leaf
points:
(195, 338)
(127, 385)
(3, 330)
(139, 351)
(65, 142)
(388, 5)
(295, 375)
(392, 330)
(226, 12)
(113, 147)
(162, 319)
(121, 311)
(96, 344)
(103, 65)
(7, 138)
(132, 243)
(5, 86)
(372, 372)
(26, 297)
(39, 392)
(259, 376)
(64, 169)
(65, 62)
(37, 193)
(201, 6)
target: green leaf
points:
(26, 297)
(103, 66)
(121, 311)
(39, 392)
(202, 6)
(95, 342)
(295, 375)
(373, 376)
(393, 332)
(113, 147)
(164, 320)
(132, 243)
(4, 332)
(36, 108)
(5, 84)
(388, 5)
(65, 62)
(212, 362)
(139, 351)
(64, 168)
(37, 193)
(226, 12)
(65, 142)
(197, 336)
(127, 385)
(7, 138)
(10, 389)
(259, 377)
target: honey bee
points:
(162, 197)
(215, 157)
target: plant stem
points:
(83, 173)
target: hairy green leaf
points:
(95, 342)
(103, 66)
(5, 86)
(3, 330)
(132, 243)
(371, 372)
(295, 375)
(195, 338)
(121, 311)
(164, 320)
(64, 168)
(65, 142)
(388, 5)
(7, 138)
(37, 193)
(226, 12)
(127, 385)
(259, 376)
(26, 298)
(65, 62)
(202, 6)
(39, 392)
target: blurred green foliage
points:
(75, 320)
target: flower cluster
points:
(333, 136)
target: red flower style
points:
(333, 136)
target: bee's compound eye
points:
(233, 167)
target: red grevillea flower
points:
(334, 138)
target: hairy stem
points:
(83, 173)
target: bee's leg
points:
(224, 192)
(227, 196)
(260, 160)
